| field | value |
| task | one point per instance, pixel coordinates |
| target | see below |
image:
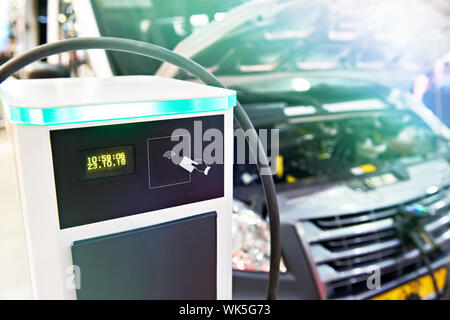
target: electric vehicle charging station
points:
(108, 213)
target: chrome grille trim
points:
(438, 223)
(361, 218)
(444, 238)
(346, 248)
(399, 281)
(328, 274)
(322, 254)
(314, 234)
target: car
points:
(350, 161)
(353, 156)
(358, 153)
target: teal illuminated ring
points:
(118, 111)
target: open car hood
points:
(404, 35)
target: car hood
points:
(339, 199)
(401, 36)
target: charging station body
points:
(108, 214)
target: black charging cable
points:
(412, 231)
(162, 54)
(415, 235)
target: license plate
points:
(421, 287)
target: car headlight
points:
(251, 240)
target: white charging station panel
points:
(145, 263)
(110, 210)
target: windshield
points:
(161, 22)
(342, 146)
(294, 36)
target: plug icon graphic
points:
(186, 163)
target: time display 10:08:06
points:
(106, 161)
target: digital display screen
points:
(106, 162)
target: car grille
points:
(345, 248)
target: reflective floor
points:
(14, 277)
